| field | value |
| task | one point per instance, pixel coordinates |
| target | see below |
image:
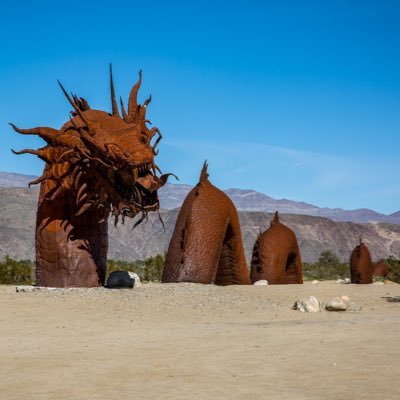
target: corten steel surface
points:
(381, 268)
(206, 246)
(276, 256)
(97, 163)
(361, 267)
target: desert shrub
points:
(328, 266)
(153, 268)
(13, 272)
(149, 270)
(121, 265)
(394, 274)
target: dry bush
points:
(149, 270)
(394, 274)
(13, 272)
(327, 267)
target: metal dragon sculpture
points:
(206, 246)
(276, 256)
(97, 163)
(361, 266)
(381, 269)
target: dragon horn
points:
(113, 101)
(142, 111)
(43, 132)
(124, 114)
(132, 105)
(73, 104)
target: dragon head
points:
(104, 160)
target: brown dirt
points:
(187, 341)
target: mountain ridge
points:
(315, 234)
(172, 196)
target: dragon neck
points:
(71, 250)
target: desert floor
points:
(188, 341)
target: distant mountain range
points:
(12, 180)
(173, 195)
(315, 234)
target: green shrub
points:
(327, 267)
(149, 270)
(153, 268)
(13, 272)
(120, 265)
(394, 274)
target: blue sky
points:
(295, 99)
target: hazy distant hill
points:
(173, 195)
(315, 234)
(395, 215)
(11, 180)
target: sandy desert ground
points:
(187, 341)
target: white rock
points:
(261, 282)
(26, 288)
(310, 304)
(345, 280)
(314, 282)
(338, 304)
(136, 278)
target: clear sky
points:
(295, 99)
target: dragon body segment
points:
(206, 246)
(361, 266)
(97, 163)
(276, 256)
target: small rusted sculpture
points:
(206, 246)
(361, 267)
(276, 256)
(97, 163)
(381, 269)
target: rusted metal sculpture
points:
(361, 267)
(97, 163)
(381, 269)
(206, 246)
(276, 256)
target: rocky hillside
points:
(315, 234)
(11, 180)
(173, 195)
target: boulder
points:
(121, 280)
(310, 304)
(136, 278)
(338, 304)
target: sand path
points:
(186, 341)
